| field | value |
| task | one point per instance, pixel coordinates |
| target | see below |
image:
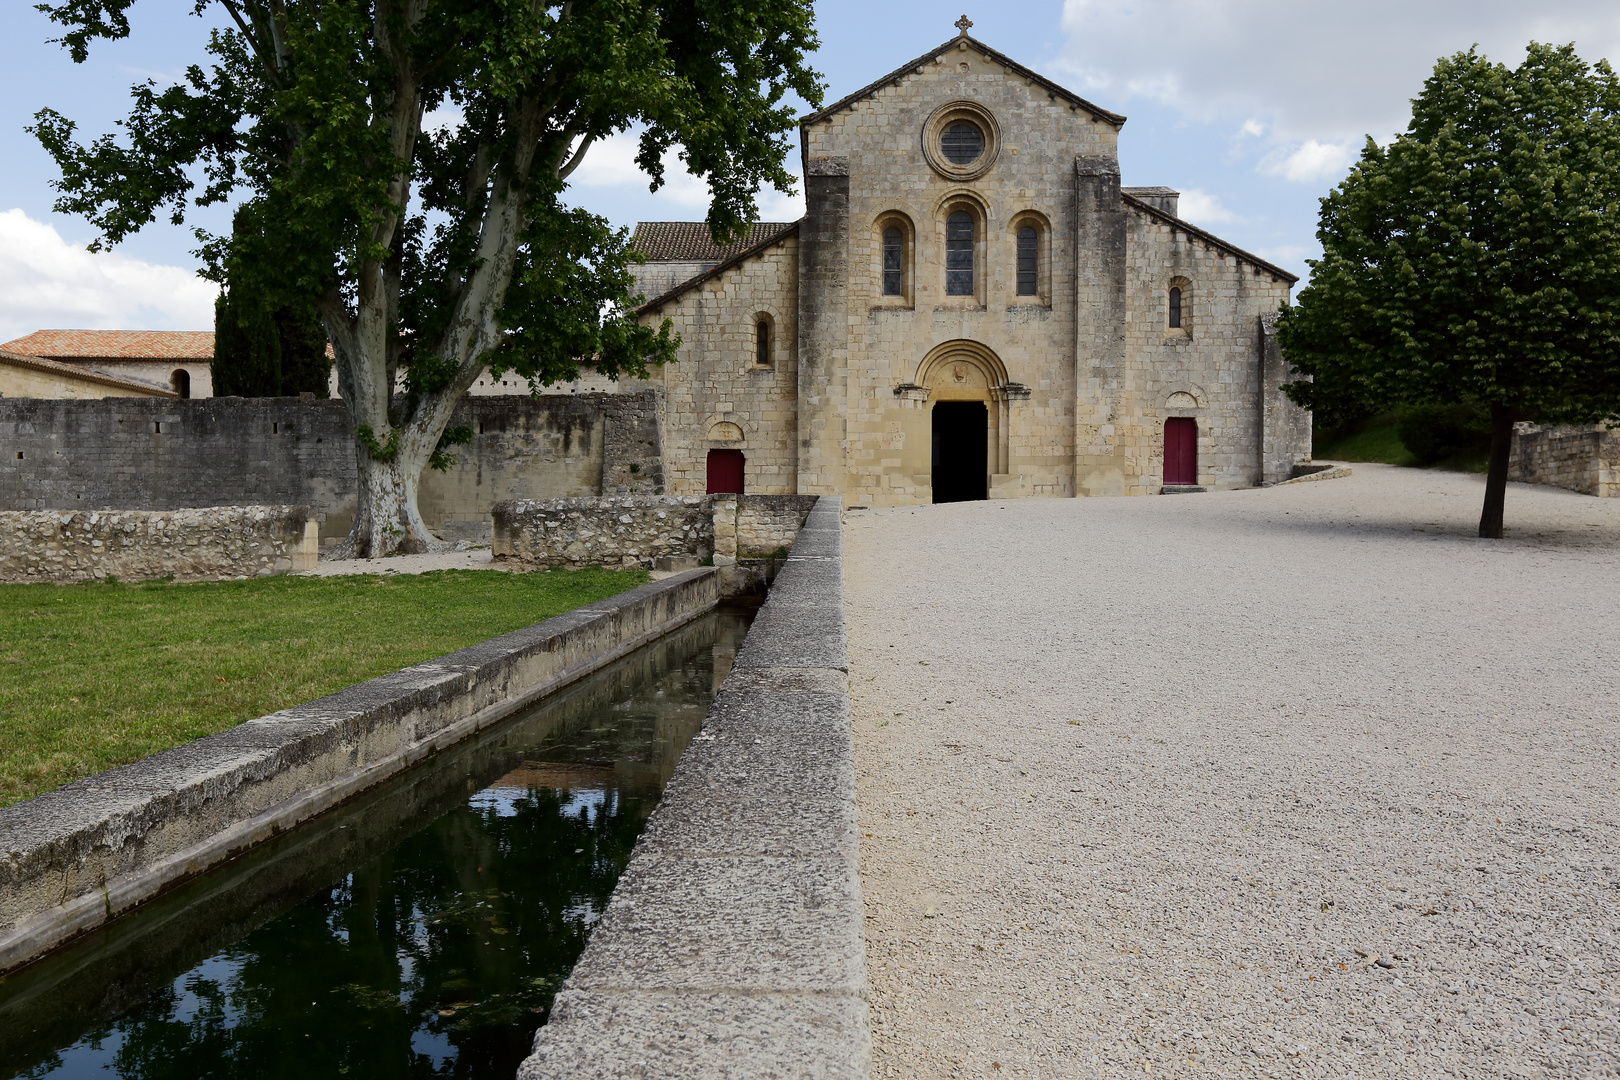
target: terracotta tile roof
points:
(689, 241)
(79, 374)
(117, 344)
(657, 303)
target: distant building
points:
(23, 376)
(166, 360)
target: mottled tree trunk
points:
(1490, 521)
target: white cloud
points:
(1202, 208)
(48, 283)
(1306, 70)
(1308, 162)
(611, 163)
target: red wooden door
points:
(1181, 450)
(725, 472)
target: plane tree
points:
(400, 166)
(1476, 258)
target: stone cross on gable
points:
(963, 23)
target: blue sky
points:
(1252, 108)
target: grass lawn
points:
(1376, 442)
(95, 675)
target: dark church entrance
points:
(960, 432)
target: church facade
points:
(972, 307)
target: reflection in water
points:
(420, 931)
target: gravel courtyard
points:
(1304, 781)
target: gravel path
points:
(1305, 781)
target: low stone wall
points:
(734, 944)
(76, 857)
(1584, 459)
(629, 530)
(213, 542)
(768, 524)
(635, 530)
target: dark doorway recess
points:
(1180, 451)
(960, 431)
(725, 472)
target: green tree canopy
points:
(432, 249)
(1477, 257)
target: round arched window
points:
(962, 142)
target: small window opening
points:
(157, 427)
(762, 343)
(962, 142)
(893, 264)
(959, 254)
(1028, 265)
(1175, 308)
(275, 428)
(19, 455)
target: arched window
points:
(762, 343)
(959, 254)
(1175, 307)
(1028, 262)
(894, 270)
(180, 382)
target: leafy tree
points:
(1477, 258)
(261, 353)
(401, 164)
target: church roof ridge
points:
(1207, 237)
(1005, 61)
(716, 270)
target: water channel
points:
(418, 931)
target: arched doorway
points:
(180, 382)
(967, 395)
(960, 451)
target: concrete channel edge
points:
(75, 858)
(734, 944)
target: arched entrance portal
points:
(960, 466)
(967, 395)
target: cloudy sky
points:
(1252, 108)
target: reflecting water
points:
(420, 931)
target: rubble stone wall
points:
(212, 542)
(635, 530)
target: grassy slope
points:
(1378, 441)
(93, 676)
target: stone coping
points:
(734, 944)
(75, 858)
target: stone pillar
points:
(823, 327)
(1285, 428)
(1099, 461)
(724, 508)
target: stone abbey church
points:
(972, 307)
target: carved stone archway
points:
(965, 370)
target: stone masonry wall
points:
(211, 542)
(635, 530)
(715, 389)
(1584, 459)
(1209, 369)
(768, 523)
(157, 454)
(613, 530)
